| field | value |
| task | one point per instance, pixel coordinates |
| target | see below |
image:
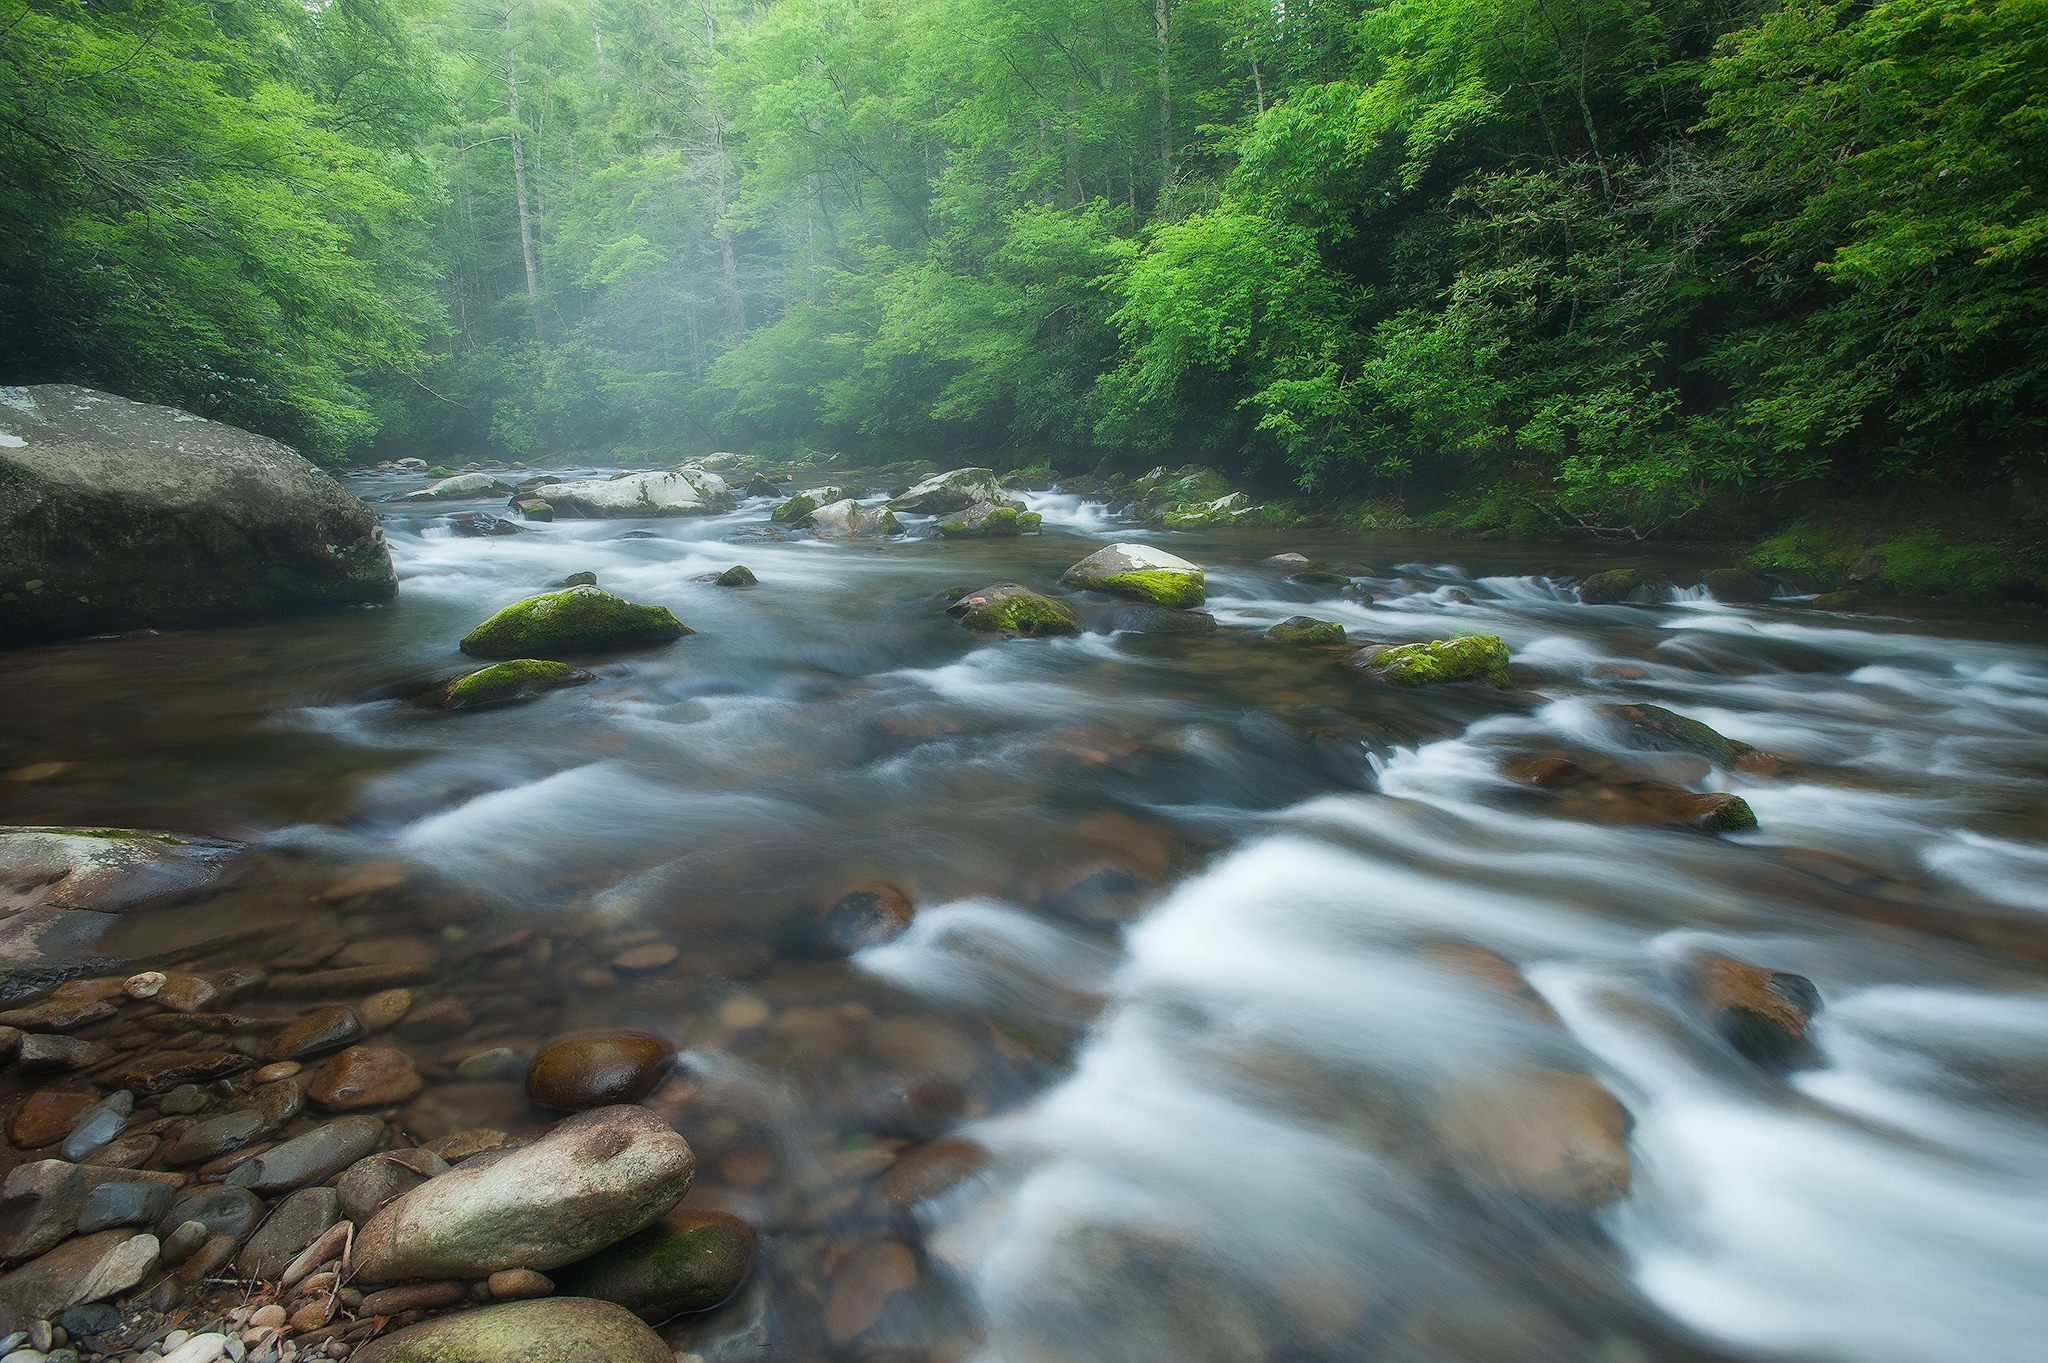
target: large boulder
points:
(545, 1330)
(848, 519)
(461, 485)
(591, 1181)
(685, 492)
(1652, 728)
(1140, 572)
(1471, 657)
(953, 491)
(988, 520)
(118, 514)
(581, 619)
(1006, 608)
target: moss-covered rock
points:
(796, 512)
(848, 519)
(1939, 546)
(533, 508)
(1473, 657)
(739, 575)
(690, 1261)
(1610, 587)
(983, 520)
(579, 620)
(1652, 728)
(518, 679)
(1735, 585)
(1141, 573)
(1306, 629)
(1006, 608)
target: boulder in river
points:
(461, 485)
(989, 520)
(543, 1330)
(1735, 585)
(1134, 618)
(848, 519)
(796, 512)
(579, 620)
(1006, 608)
(1140, 572)
(952, 491)
(117, 514)
(1653, 728)
(739, 575)
(482, 525)
(590, 1181)
(684, 492)
(1470, 657)
(1762, 1013)
(584, 1070)
(103, 870)
(517, 679)
(1611, 587)
(690, 1260)
(1557, 1138)
(1306, 630)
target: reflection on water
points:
(1251, 1010)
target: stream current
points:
(1185, 953)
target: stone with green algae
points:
(579, 620)
(1141, 573)
(1006, 608)
(690, 1261)
(1306, 629)
(1472, 657)
(739, 575)
(987, 520)
(518, 679)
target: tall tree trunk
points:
(519, 175)
(1161, 14)
(1073, 150)
(736, 303)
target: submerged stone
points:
(1656, 729)
(1762, 1013)
(1140, 572)
(518, 679)
(579, 620)
(1472, 657)
(1006, 608)
(689, 1261)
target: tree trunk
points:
(519, 173)
(736, 303)
(1160, 17)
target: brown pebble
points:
(414, 1297)
(517, 1284)
(653, 956)
(437, 1020)
(182, 1101)
(272, 1315)
(583, 1070)
(186, 994)
(322, 1029)
(283, 1069)
(46, 1117)
(364, 1076)
(383, 1010)
(863, 1286)
(460, 1145)
(313, 1314)
(207, 1260)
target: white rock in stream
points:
(684, 492)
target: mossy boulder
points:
(1735, 585)
(739, 575)
(689, 1261)
(1473, 657)
(1006, 608)
(518, 679)
(987, 520)
(1611, 587)
(1306, 630)
(579, 620)
(796, 512)
(1142, 573)
(848, 519)
(1652, 728)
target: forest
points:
(1549, 264)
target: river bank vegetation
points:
(1621, 267)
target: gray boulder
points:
(461, 485)
(848, 519)
(118, 514)
(954, 491)
(685, 492)
(545, 1330)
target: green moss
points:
(1730, 816)
(739, 575)
(514, 680)
(579, 620)
(1160, 586)
(1007, 609)
(1000, 523)
(796, 512)
(1475, 657)
(1306, 629)
(1948, 548)
(1608, 588)
(1028, 522)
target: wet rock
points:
(1735, 585)
(457, 1146)
(954, 490)
(57, 1015)
(1762, 1013)
(533, 509)
(585, 1070)
(97, 1318)
(461, 485)
(1542, 771)
(739, 575)
(130, 1151)
(548, 1330)
(43, 1054)
(681, 492)
(83, 1270)
(927, 1170)
(103, 870)
(1556, 1138)
(796, 512)
(1006, 608)
(578, 620)
(989, 520)
(145, 984)
(482, 525)
(10, 1042)
(583, 579)
(858, 916)
(375, 1182)
(592, 1180)
(1136, 619)
(314, 1157)
(45, 1118)
(688, 1261)
(1290, 561)
(42, 1201)
(1496, 974)
(1713, 811)
(1306, 630)
(848, 519)
(139, 515)
(438, 1020)
(385, 1009)
(518, 1284)
(214, 1137)
(224, 1212)
(1472, 657)
(500, 1062)
(862, 1288)
(124, 1204)
(198, 1022)
(1611, 587)
(503, 683)
(183, 1240)
(1652, 728)
(161, 1071)
(298, 1221)
(322, 1029)
(364, 1076)
(1140, 572)
(1317, 577)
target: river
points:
(1186, 954)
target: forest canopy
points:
(1600, 261)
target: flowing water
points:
(1192, 950)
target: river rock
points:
(124, 1204)
(1652, 728)
(364, 1076)
(852, 917)
(41, 1054)
(129, 1151)
(386, 1009)
(160, 1071)
(1735, 585)
(1140, 572)
(220, 1209)
(848, 519)
(1133, 618)
(796, 512)
(483, 525)
(321, 1029)
(1556, 1138)
(502, 683)
(863, 1285)
(927, 1170)
(1471, 657)
(592, 1180)
(214, 1137)
(690, 1260)
(1611, 587)
(545, 1330)
(1654, 802)
(373, 1183)
(1306, 630)
(41, 1201)
(1006, 608)
(83, 1270)
(103, 870)
(45, 1118)
(584, 1070)
(1762, 1013)
(439, 1020)
(739, 575)
(952, 491)
(683, 492)
(297, 1222)
(461, 485)
(56, 1015)
(989, 520)
(578, 620)
(125, 514)
(316, 1156)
